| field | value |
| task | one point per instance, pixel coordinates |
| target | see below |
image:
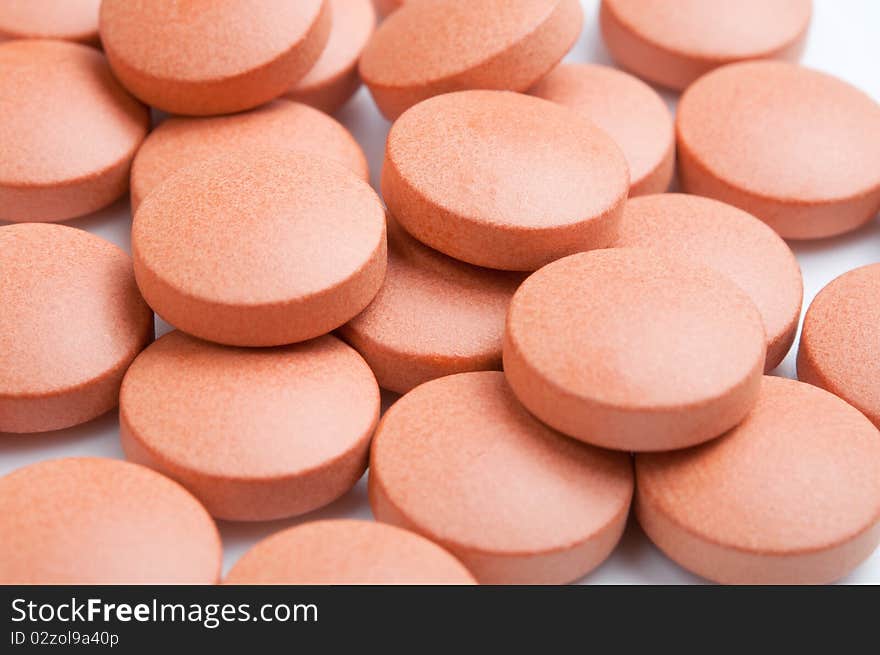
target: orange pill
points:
(385, 7)
(634, 350)
(70, 20)
(797, 148)
(840, 341)
(255, 434)
(503, 180)
(674, 43)
(94, 521)
(179, 142)
(730, 241)
(461, 462)
(439, 46)
(68, 130)
(334, 78)
(212, 56)
(72, 321)
(265, 249)
(433, 316)
(790, 496)
(345, 552)
(632, 113)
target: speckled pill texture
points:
(70, 20)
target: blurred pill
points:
(385, 7)
(70, 20)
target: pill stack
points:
(566, 345)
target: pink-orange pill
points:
(632, 113)
(72, 321)
(732, 242)
(840, 341)
(674, 42)
(503, 180)
(70, 20)
(634, 350)
(255, 434)
(789, 496)
(334, 78)
(385, 7)
(428, 48)
(180, 142)
(68, 131)
(265, 249)
(93, 521)
(433, 316)
(212, 56)
(797, 148)
(461, 462)
(345, 552)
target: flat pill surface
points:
(460, 461)
(71, 20)
(674, 42)
(92, 521)
(633, 350)
(797, 148)
(316, 230)
(503, 180)
(790, 496)
(428, 48)
(68, 129)
(433, 316)
(840, 341)
(212, 56)
(72, 321)
(345, 552)
(180, 142)
(254, 434)
(632, 113)
(730, 241)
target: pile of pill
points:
(577, 346)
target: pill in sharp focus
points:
(217, 57)
(265, 249)
(92, 521)
(789, 496)
(69, 131)
(632, 113)
(255, 434)
(345, 552)
(630, 349)
(732, 242)
(797, 148)
(70, 20)
(180, 142)
(674, 43)
(503, 180)
(428, 48)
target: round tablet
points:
(94, 521)
(69, 131)
(503, 180)
(255, 434)
(840, 341)
(334, 78)
(346, 552)
(72, 321)
(632, 113)
(71, 20)
(634, 350)
(730, 241)
(797, 148)
(265, 249)
(461, 462)
(429, 48)
(789, 496)
(179, 142)
(433, 316)
(212, 56)
(674, 43)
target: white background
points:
(844, 40)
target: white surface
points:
(843, 41)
